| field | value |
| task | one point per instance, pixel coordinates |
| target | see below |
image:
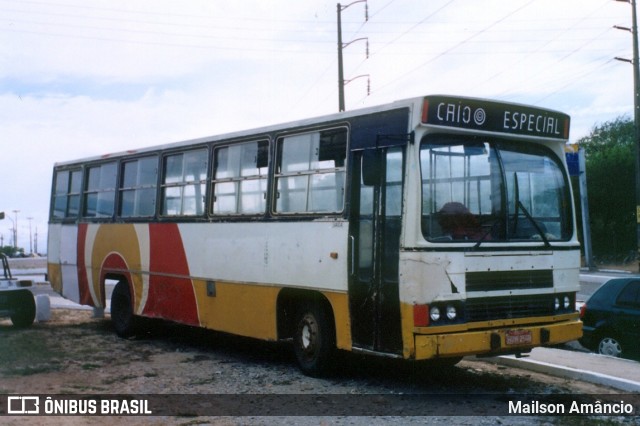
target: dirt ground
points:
(74, 353)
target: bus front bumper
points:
(496, 341)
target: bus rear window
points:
(66, 195)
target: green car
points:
(611, 319)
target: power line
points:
(413, 27)
(236, 29)
(461, 43)
(403, 33)
(226, 36)
(145, 13)
(332, 64)
(236, 37)
(558, 36)
(238, 23)
(567, 55)
(170, 44)
(575, 79)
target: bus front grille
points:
(508, 280)
(487, 309)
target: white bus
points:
(425, 229)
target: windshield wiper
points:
(482, 238)
(526, 212)
(535, 224)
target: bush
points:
(610, 158)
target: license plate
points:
(518, 337)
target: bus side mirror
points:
(1, 215)
(371, 167)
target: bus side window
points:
(184, 183)
(240, 178)
(99, 196)
(310, 174)
(138, 190)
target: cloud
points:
(83, 79)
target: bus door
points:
(374, 301)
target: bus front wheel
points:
(314, 340)
(124, 321)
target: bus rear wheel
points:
(314, 340)
(122, 317)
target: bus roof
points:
(471, 114)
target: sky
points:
(81, 78)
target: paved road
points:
(590, 281)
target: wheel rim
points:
(610, 346)
(308, 335)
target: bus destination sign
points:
(494, 117)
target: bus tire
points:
(314, 340)
(122, 317)
(23, 308)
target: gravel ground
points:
(74, 353)
(77, 354)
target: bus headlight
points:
(451, 312)
(567, 302)
(434, 313)
(556, 303)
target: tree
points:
(609, 151)
(9, 250)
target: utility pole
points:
(636, 110)
(30, 236)
(15, 229)
(341, 81)
(584, 205)
(340, 69)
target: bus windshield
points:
(476, 189)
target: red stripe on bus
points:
(171, 293)
(83, 281)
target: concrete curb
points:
(568, 372)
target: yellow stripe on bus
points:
(250, 310)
